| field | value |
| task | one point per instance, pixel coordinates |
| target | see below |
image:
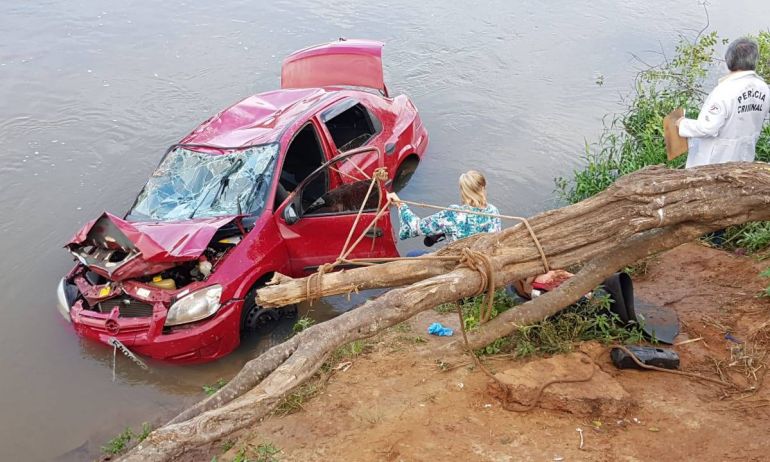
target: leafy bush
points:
(634, 139)
(213, 388)
(122, 441)
(585, 320)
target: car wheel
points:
(254, 317)
(405, 172)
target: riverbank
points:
(404, 396)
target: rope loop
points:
(481, 263)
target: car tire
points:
(254, 317)
(404, 172)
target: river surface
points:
(92, 92)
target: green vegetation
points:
(765, 274)
(294, 401)
(118, 444)
(302, 323)
(146, 430)
(265, 452)
(227, 445)
(585, 320)
(122, 441)
(634, 139)
(213, 388)
(345, 353)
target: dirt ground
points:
(394, 403)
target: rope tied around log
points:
(482, 264)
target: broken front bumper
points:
(189, 343)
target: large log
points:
(655, 197)
(643, 213)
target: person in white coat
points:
(731, 119)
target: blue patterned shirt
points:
(453, 223)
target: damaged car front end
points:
(153, 279)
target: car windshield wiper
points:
(224, 182)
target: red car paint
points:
(356, 63)
(158, 246)
(268, 242)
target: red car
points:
(270, 184)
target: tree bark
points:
(641, 214)
(655, 197)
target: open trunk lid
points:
(356, 63)
(118, 249)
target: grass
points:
(634, 139)
(295, 400)
(583, 321)
(213, 388)
(227, 445)
(302, 323)
(753, 236)
(118, 444)
(123, 440)
(264, 452)
(766, 274)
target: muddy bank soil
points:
(409, 398)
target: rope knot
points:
(482, 264)
(380, 174)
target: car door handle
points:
(390, 148)
(374, 232)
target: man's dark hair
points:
(742, 55)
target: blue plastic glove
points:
(437, 329)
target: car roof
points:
(258, 119)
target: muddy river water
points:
(92, 92)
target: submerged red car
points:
(270, 184)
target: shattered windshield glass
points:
(190, 184)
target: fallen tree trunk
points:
(654, 197)
(643, 213)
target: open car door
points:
(315, 224)
(356, 63)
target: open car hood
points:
(356, 63)
(118, 249)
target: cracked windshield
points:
(190, 184)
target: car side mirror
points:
(290, 215)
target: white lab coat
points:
(729, 122)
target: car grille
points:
(129, 307)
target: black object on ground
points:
(651, 356)
(621, 291)
(658, 322)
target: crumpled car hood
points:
(118, 249)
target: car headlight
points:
(65, 295)
(195, 306)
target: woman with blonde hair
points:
(455, 223)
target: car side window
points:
(350, 125)
(303, 156)
(345, 199)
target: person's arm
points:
(497, 224)
(443, 222)
(711, 119)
